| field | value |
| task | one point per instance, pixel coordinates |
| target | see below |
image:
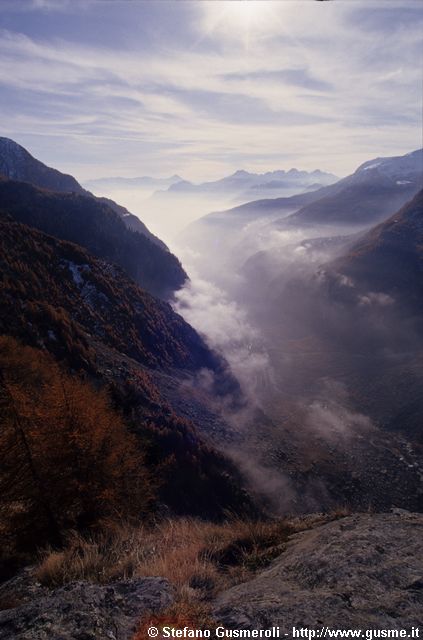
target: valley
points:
(329, 351)
(211, 319)
(260, 379)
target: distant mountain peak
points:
(242, 183)
(241, 173)
(182, 185)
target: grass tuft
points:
(199, 558)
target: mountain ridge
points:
(242, 179)
(16, 163)
(363, 198)
(377, 189)
(93, 224)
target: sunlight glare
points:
(240, 19)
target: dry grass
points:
(199, 558)
(194, 555)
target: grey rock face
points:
(364, 571)
(84, 611)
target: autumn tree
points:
(67, 459)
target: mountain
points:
(389, 258)
(92, 319)
(227, 229)
(262, 208)
(285, 183)
(344, 338)
(369, 301)
(93, 224)
(131, 221)
(97, 298)
(374, 191)
(66, 263)
(356, 319)
(245, 180)
(245, 185)
(17, 163)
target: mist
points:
(314, 351)
(165, 214)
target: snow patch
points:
(372, 166)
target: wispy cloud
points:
(200, 87)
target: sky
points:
(198, 88)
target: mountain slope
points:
(17, 163)
(264, 207)
(389, 258)
(374, 191)
(93, 224)
(98, 297)
(364, 309)
(93, 319)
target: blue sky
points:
(102, 88)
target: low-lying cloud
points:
(226, 328)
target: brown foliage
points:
(55, 294)
(66, 457)
(96, 321)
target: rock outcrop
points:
(84, 611)
(363, 571)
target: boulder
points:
(85, 611)
(362, 571)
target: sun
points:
(239, 19)
(242, 12)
